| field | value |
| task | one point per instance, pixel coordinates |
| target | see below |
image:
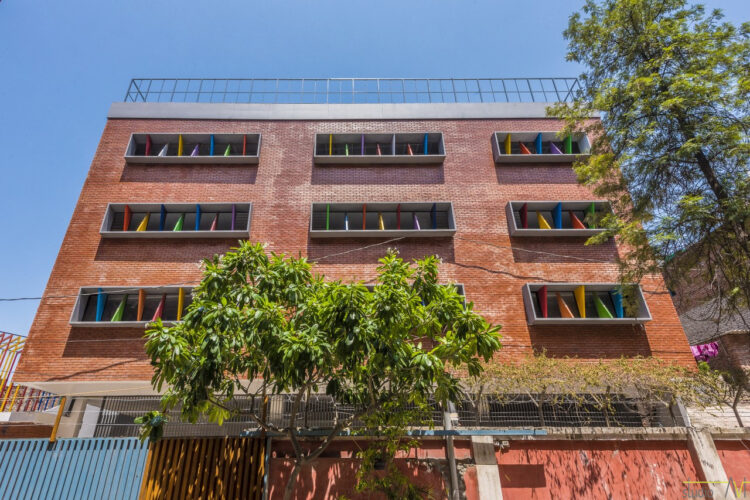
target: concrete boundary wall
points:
(564, 463)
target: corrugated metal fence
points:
(220, 468)
(72, 468)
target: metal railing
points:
(117, 415)
(351, 90)
(17, 397)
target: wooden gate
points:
(220, 468)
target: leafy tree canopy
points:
(671, 151)
(262, 324)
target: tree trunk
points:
(292, 481)
(671, 412)
(717, 188)
(540, 408)
(734, 406)
(708, 173)
(722, 197)
(606, 406)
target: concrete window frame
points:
(444, 212)
(113, 210)
(514, 222)
(134, 153)
(85, 292)
(393, 148)
(580, 140)
(533, 318)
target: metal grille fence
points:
(116, 418)
(531, 411)
(351, 90)
(117, 415)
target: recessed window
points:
(352, 220)
(129, 306)
(538, 147)
(556, 218)
(185, 149)
(409, 148)
(177, 220)
(584, 303)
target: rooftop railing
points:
(351, 90)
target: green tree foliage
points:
(671, 151)
(264, 324)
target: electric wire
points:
(317, 259)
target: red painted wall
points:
(528, 469)
(282, 187)
(331, 477)
(334, 473)
(735, 457)
(595, 470)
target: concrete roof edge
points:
(390, 111)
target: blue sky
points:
(63, 63)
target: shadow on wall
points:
(535, 175)
(562, 250)
(350, 251)
(192, 174)
(590, 341)
(523, 476)
(161, 250)
(104, 343)
(392, 174)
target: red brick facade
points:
(281, 189)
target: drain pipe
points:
(450, 450)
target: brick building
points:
(475, 183)
(475, 174)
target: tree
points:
(261, 324)
(671, 150)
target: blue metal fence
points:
(72, 468)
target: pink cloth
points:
(704, 352)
